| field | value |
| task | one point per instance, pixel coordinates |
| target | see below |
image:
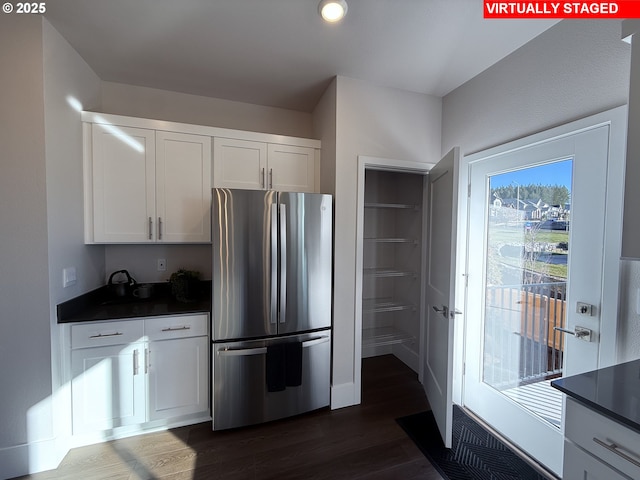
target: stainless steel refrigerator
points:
(271, 305)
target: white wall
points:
(25, 350)
(378, 122)
(573, 70)
(121, 99)
(324, 128)
(69, 86)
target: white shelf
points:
(386, 272)
(380, 336)
(378, 305)
(391, 240)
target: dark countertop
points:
(613, 391)
(100, 304)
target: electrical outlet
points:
(162, 264)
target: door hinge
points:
(464, 368)
(469, 190)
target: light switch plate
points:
(68, 277)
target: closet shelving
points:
(392, 247)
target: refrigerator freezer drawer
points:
(240, 393)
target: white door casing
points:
(441, 311)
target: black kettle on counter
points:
(121, 289)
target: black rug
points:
(475, 454)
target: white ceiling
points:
(279, 52)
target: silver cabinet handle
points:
(147, 360)
(263, 178)
(613, 448)
(241, 352)
(159, 228)
(173, 329)
(283, 263)
(271, 178)
(135, 362)
(150, 228)
(101, 335)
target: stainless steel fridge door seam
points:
(283, 263)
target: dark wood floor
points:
(361, 442)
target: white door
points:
(530, 264)
(440, 292)
(183, 191)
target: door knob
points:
(444, 310)
(581, 333)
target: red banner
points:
(562, 9)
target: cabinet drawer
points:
(101, 334)
(164, 328)
(579, 465)
(606, 439)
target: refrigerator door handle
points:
(274, 264)
(241, 352)
(315, 341)
(283, 263)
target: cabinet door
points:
(123, 183)
(239, 164)
(291, 169)
(108, 387)
(178, 377)
(579, 465)
(183, 188)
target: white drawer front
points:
(608, 440)
(100, 334)
(164, 328)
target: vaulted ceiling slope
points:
(279, 52)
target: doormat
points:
(475, 453)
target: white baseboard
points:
(30, 458)
(344, 395)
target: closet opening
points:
(392, 260)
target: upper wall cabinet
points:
(631, 218)
(149, 181)
(263, 166)
(148, 186)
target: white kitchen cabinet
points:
(149, 186)
(124, 185)
(239, 164)
(597, 447)
(134, 372)
(183, 188)
(108, 388)
(631, 218)
(177, 359)
(256, 165)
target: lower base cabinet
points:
(597, 447)
(135, 372)
(178, 377)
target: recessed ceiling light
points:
(332, 10)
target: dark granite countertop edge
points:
(627, 422)
(100, 305)
(607, 411)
